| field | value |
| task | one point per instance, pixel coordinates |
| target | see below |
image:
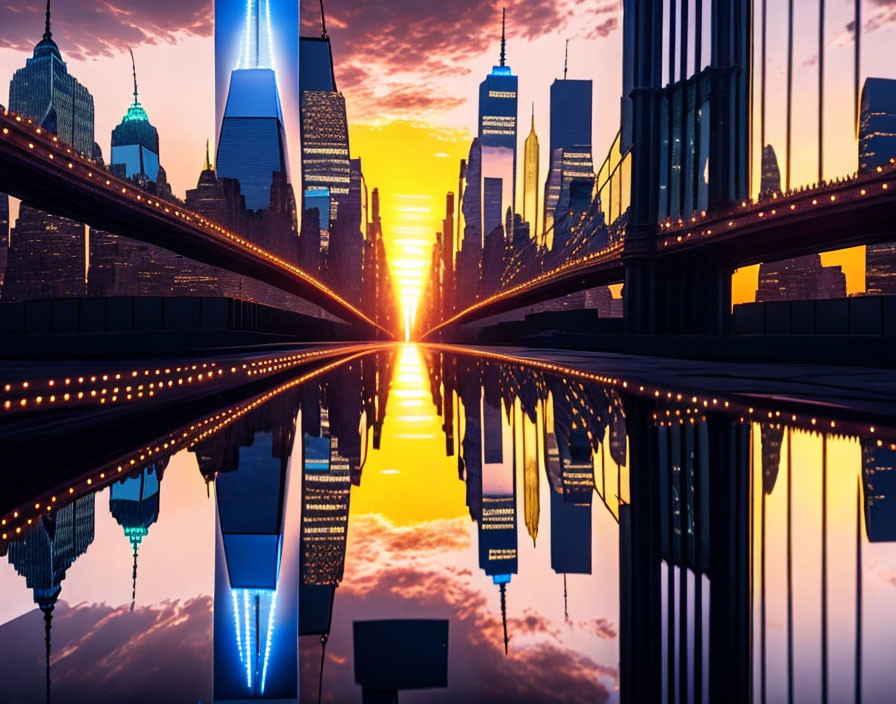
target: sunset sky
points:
(410, 72)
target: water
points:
(457, 528)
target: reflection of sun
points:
(410, 478)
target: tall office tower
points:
(324, 125)
(250, 534)
(47, 549)
(497, 527)
(531, 156)
(770, 182)
(467, 262)
(877, 146)
(135, 142)
(531, 499)
(879, 483)
(252, 143)
(46, 252)
(447, 257)
(120, 266)
(4, 235)
(345, 251)
(570, 146)
(326, 490)
(497, 137)
(134, 503)
(799, 278)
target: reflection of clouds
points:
(428, 570)
(600, 627)
(101, 654)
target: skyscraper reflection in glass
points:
(252, 142)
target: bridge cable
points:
(820, 91)
(789, 90)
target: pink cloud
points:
(85, 28)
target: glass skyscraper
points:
(252, 143)
(570, 155)
(497, 137)
(46, 92)
(135, 143)
(325, 149)
(46, 252)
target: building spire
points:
(533, 116)
(47, 33)
(134, 71)
(207, 166)
(48, 624)
(134, 578)
(503, 36)
(504, 614)
(565, 59)
(323, 22)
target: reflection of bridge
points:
(38, 168)
(671, 214)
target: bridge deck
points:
(41, 170)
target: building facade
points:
(46, 253)
(877, 145)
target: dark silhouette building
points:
(800, 278)
(877, 147)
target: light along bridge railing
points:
(583, 272)
(856, 210)
(41, 170)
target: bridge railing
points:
(61, 163)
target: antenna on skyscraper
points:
(565, 59)
(134, 70)
(323, 21)
(503, 36)
(47, 33)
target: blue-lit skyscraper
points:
(252, 142)
(497, 138)
(135, 142)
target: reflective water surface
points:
(409, 522)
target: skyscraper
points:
(324, 125)
(497, 138)
(252, 143)
(4, 235)
(134, 503)
(46, 551)
(135, 142)
(570, 145)
(877, 145)
(497, 526)
(46, 252)
(530, 179)
(120, 266)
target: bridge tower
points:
(685, 117)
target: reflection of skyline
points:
(591, 427)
